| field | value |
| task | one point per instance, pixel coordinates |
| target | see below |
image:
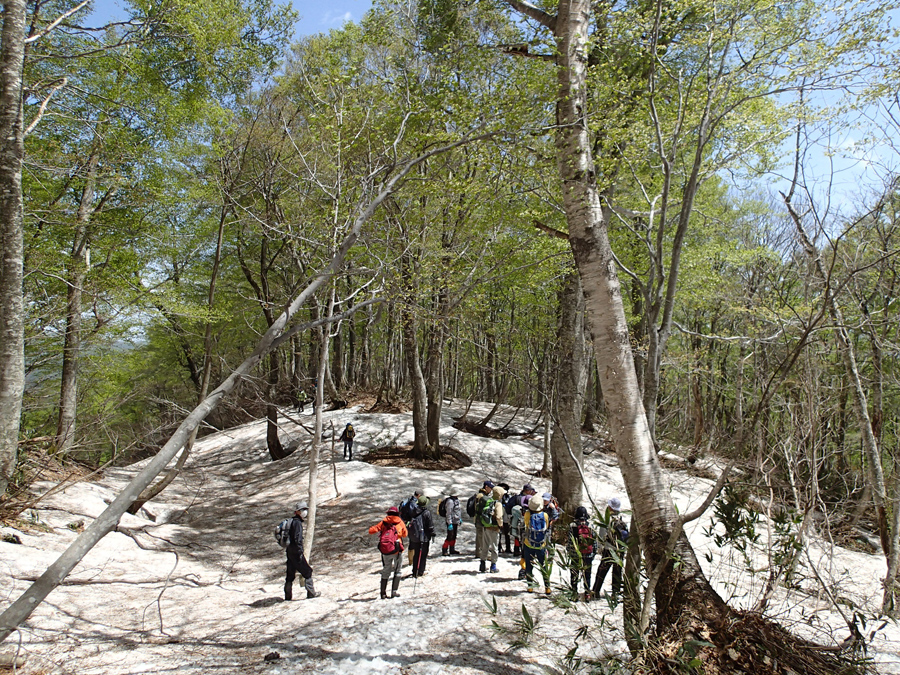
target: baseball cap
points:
(488, 484)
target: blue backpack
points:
(536, 534)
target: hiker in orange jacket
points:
(391, 532)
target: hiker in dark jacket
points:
(581, 547)
(421, 532)
(296, 561)
(347, 436)
(390, 562)
(611, 535)
(407, 506)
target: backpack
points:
(283, 533)
(470, 505)
(509, 502)
(406, 508)
(536, 536)
(584, 539)
(416, 527)
(350, 432)
(620, 528)
(442, 508)
(388, 542)
(486, 516)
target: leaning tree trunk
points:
(12, 307)
(571, 376)
(683, 593)
(21, 609)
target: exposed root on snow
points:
(745, 642)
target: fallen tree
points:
(278, 332)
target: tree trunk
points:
(273, 443)
(434, 382)
(416, 384)
(571, 379)
(12, 311)
(683, 592)
(78, 265)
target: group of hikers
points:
(524, 522)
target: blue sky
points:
(318, 16)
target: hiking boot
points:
(530, 589)
(384, 594)
(453, 551)
(516, 551)
(547, 590)
(483, 566)
(521, 576)
(394, 587)
(494, 568)
(444, 551)
(587, 596)
(311, 590)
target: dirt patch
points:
(389, 407)
(480, 429)
(401, 455)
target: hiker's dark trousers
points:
(420, 555)
(606, 562)
(296, 562)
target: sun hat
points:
(536, 504)
(614, 504)
(581, 513)
(527, 488)
(300, 506)
(423, 500)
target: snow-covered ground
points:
(194, 583)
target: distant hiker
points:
(581, 547)
(347, 436)
(491, 515)
(613, 533)
(421, 532)
(406, 508)
(473, 508)
(504, 530)
(390, 531)
(535, 539)
(301, 400)
(451, 511)
(296, 561)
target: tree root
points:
(745, 642)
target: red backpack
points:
(585, 539)
(389, 543)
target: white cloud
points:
(333, 18)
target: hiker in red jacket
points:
(391, 532)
